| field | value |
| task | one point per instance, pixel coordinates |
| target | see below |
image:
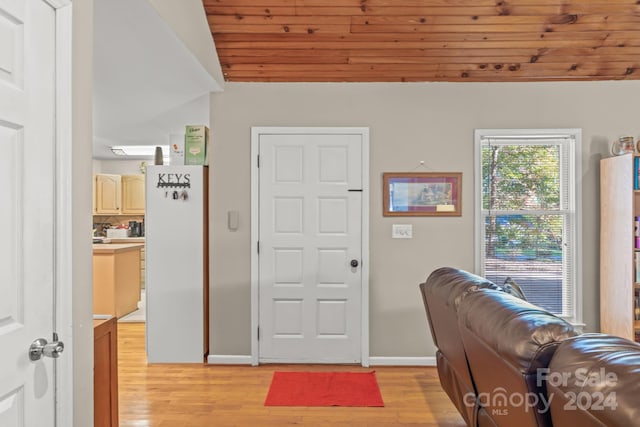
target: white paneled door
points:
(310, 247)
(27, 210)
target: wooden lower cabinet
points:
(105, 373)
(116, 278)
(143, 266)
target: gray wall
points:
(118, 167)
(408, 123)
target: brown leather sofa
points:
(497, 352)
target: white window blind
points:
(526, 215)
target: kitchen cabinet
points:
(107, 194)
(133, 194)
(116, 278)
(143, 267)
(105, 372)
(118, 194)
(143, 264)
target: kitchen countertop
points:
(127, 239)
(112, 248)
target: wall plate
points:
(402, 231)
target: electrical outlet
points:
(402, 231)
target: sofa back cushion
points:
(441, 294)
(509, 344)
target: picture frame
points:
(422, 193)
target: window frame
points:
(574, 202)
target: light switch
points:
(233, 220)
(402, 231)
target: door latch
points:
(41, 347)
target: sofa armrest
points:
(594, 380)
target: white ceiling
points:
(147, 84)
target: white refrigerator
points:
(177, 264)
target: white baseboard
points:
(221, 359)
(402, 361)
(373, 361)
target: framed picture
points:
(422, 193)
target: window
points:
(526, 218)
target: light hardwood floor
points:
(181, 395)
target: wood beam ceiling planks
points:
(426, 40)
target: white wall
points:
(188, 20)
(82, 134)
(433, 122)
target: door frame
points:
(63, 198)
(255, 229)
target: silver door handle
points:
(41, 347)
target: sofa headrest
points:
(450, 284)
(522, 334)
(441, 294)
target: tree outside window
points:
(527, 216)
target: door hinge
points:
(258, 160)
(258, 246)
(258, 333)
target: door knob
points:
(41, 347)
(354, 263)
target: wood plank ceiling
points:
(426, 40)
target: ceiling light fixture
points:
(139, 150)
